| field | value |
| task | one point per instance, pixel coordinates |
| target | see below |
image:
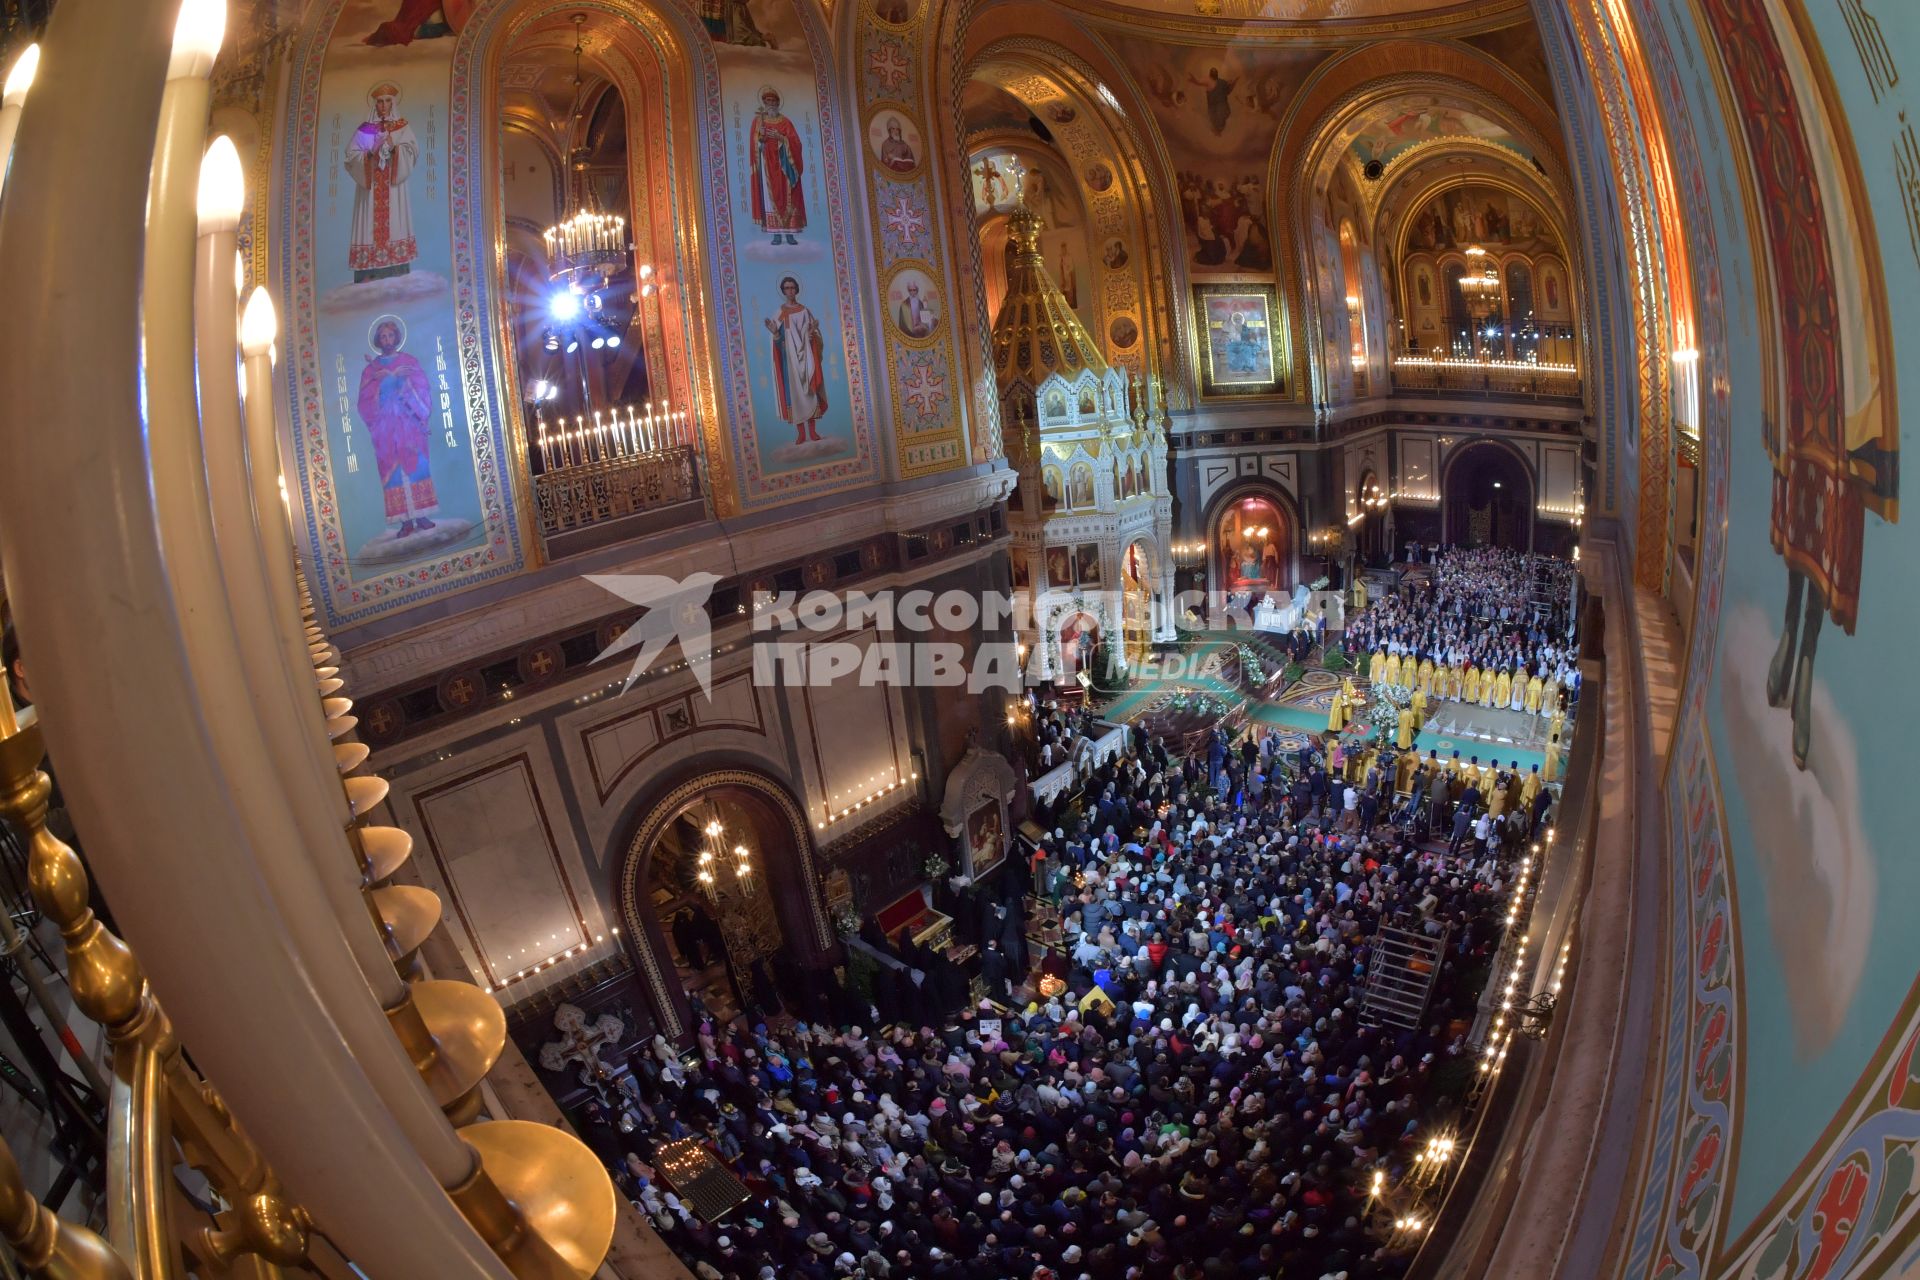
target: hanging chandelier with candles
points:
(586, 248)
(711, 865)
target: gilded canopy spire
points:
(1036, 334)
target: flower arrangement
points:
(1250, 665)
(846, 921)
(936, 866)
(1384, 704)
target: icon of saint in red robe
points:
(779, 204)
(395, 401)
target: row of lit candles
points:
(868, 799)
(612, 434)
(1531, 366)
(578, 949)
(588, 233)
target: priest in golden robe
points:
(1470, 686)
(1403, 766)
(1390, 674)
(1419, 706)
(1502, 689)
(1426, 676)
(1377, 666)
(1340, 712)
(1535, 689)
(1404, 738)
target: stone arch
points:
(1351, 84)
(1452, 518)
(662, 63)
(1257, 488)
(1096, 135)
(799, 901)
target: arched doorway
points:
(1136, 602)
(1079, 639)
(718, 898)
(1252, 543)
(1487, 494)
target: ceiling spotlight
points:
(613, 340)
(565, 305)
(552, 342)
(573, 345)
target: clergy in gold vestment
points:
(1470, 686)
(1552, 769)
(1403, 768)
(1502, 689)
(1530, 788)
(1455, 677)
(1487, 686)
(1346, 687)
(1419, 706)
(1339, 712)
(1497, 797)
(1426, 676)
(1534, 687)
(1377, 666)
(1390, 674)
(1404, 739)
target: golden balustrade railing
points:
(200, 720)
(625, 461)
(610, 488)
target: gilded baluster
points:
(157, 1096)
(47, 1245)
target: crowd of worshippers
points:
(1055, 729)
(1198, 1099)
(1491, 627)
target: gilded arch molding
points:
(647, 831)
(659, 63)
(1093, 134)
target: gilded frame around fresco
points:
(1269, 374)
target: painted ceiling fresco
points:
(1407, 124)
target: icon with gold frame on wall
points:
(1241, 338)
(895, 142)
(913, 303)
